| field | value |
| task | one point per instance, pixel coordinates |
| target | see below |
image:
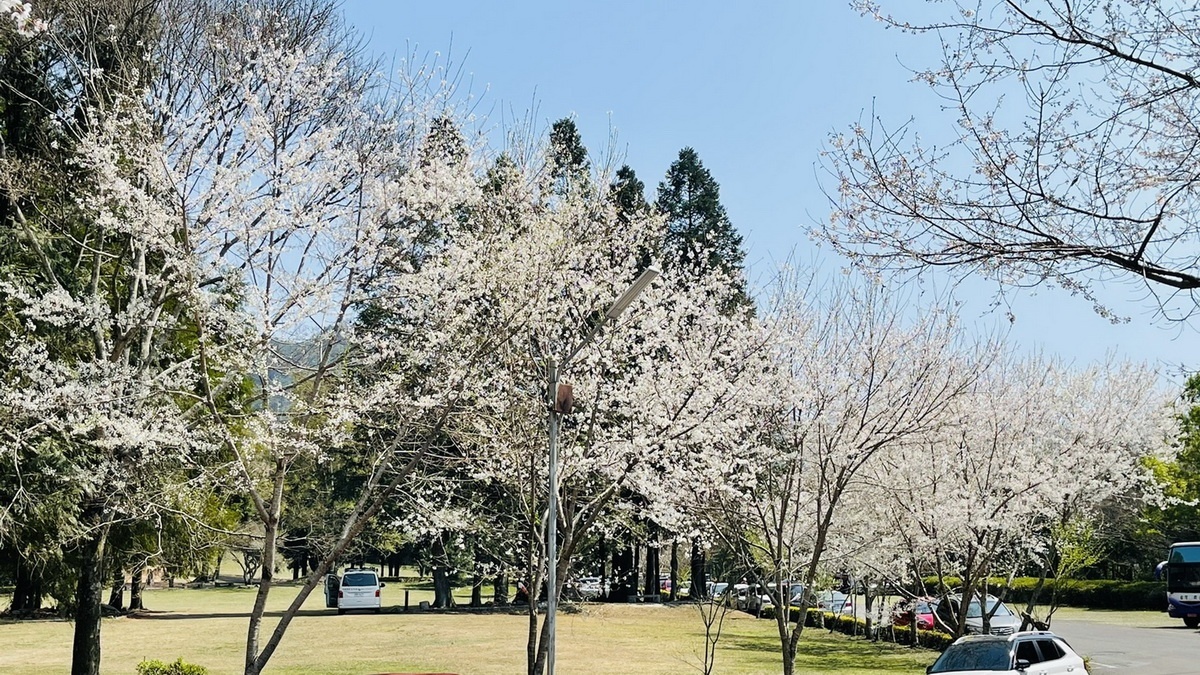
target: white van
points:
(359, 590)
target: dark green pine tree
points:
(700, 239)
(568, 158)
(628, 194)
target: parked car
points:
(589, 587)
(1003, 620)
(836, 602)
(758, 599)
(903, 612)
(716, 590)
(796, 593)
(1040, 652)
(360, 589)
(738, 596)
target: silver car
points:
(1003, 621)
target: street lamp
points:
(552, 370)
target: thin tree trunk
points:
(270, 539)
(135, 586)
(531, 640)
(89, 592)
(674, 570)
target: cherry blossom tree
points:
(661, 382)
(854, 382)
(1038, 444)
(93, 288)
(1072, 162)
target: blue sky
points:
(755, 88)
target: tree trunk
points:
(674, 570)
(270, 539)
(500, 590)
(652, 585)
(27, 592)
(477, 590)
(85, 653)
(135, 586)
(116, 597)
(531, 641)
(442, 596)
(699, 574)
(624, 581)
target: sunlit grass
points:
(208, 627)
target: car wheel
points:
(1191, 621)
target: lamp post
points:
(553, 368)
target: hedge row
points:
(850, 625)
(1089, 593)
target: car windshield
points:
(360, 580)
(983, 655)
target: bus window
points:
(1185, 554)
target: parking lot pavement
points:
(1166, 649)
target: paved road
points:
(1167, 649)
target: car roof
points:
(1006, 638)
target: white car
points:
(590, 587)
(360, 589)
(1025, 653)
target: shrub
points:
(1089, 593)
(179, 667)
(854, 626)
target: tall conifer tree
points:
(700, 239)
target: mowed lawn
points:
(208, 627)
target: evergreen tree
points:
(629, 194)
(700, 239)
(568, 160)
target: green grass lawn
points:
(208, 627)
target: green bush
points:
(854, 626)
(177, 668)
(1089, 593)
